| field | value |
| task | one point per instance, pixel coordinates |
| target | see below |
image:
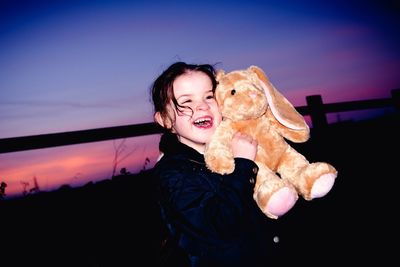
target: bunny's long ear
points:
(281, 108)
(219, 73)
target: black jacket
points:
(214, 216)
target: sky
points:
(76, 65)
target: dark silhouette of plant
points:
(119, 154)
(35, 188)
(3, 190)
(124, 171)
(24, 187)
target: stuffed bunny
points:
(250, 104)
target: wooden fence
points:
(315, 108)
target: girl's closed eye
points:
(210, 96)
(186, 105)
(184, 101)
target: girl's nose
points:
(202, 105)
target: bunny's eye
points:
(233, 92)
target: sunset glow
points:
(74, 165)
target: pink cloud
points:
(74, 165)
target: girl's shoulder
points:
(183, 164)
(168, 158)
(171, 161)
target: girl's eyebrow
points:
(189, 95)
(185, 95)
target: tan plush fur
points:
(249, 103)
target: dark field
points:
(116, 222)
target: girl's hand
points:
(244, 146)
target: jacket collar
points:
(170, 145)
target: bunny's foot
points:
(281, 202)
(315, 180)
(275, 197)
(322, 185)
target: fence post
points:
(396, 98)
(317, 113)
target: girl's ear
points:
(165, 123)
(158, 118)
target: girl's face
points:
(199, 114)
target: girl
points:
(213, 217)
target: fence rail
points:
(315, 108)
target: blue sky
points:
(71, 65)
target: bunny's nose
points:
(253, 94)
